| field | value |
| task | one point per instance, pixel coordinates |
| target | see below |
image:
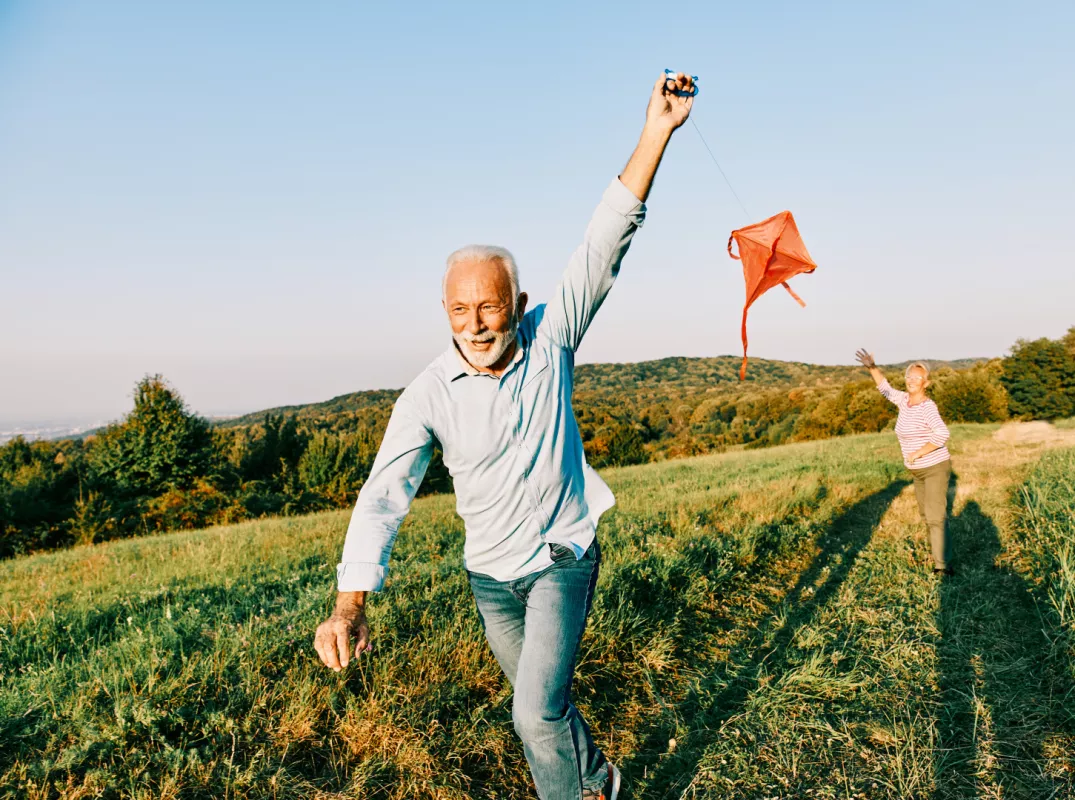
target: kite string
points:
(706, 144)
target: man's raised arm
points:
(383, 502)
(666, 112)
(594, 265)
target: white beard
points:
(486, 358)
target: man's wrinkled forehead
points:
(478, 277)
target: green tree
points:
(276, 451)
(335, 467)
(93, 519)
(971, 396)
(39, 482)
(626, 446)
(1040, 379)
(866, 409)
(1069, 341)
(160, 445)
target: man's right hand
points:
(333, 638)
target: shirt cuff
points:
(359, 576)
(623, 201)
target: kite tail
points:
(743, 367)
(798, 299)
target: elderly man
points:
(499, 403)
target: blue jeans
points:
(534, 626)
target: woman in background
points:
(922, 435)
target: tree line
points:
(164, 468)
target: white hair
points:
(482, 253)
(922, 365)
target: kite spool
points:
(670, 75)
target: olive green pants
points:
(931, 489)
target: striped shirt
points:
(915, 426)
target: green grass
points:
(1047, 521)
(765, 626)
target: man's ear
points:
(520, 305)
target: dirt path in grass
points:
(862, 675)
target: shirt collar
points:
(459, 367)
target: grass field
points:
(766, 625)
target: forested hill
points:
(163, 467)
(345, 403)
(667, 377)
(701, 374)
(651, 410)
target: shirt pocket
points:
(534, 392)
(537, 371)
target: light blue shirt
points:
(511, 443)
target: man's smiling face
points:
(482, 312)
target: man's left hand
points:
(667, 110)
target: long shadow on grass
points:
(1000, 693)
(723, 694)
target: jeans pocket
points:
(559, 552)
(562, 553)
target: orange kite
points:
(772, 252)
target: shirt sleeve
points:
(938, 431)
(385, 499)
(892, 395)
(593, 267)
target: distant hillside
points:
(161, 467)
(345, 403)
(722, 372)
(959, 363)
(705, 374)
(669, 408)
(649, 380)
(301, 458)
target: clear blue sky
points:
(255, 199)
